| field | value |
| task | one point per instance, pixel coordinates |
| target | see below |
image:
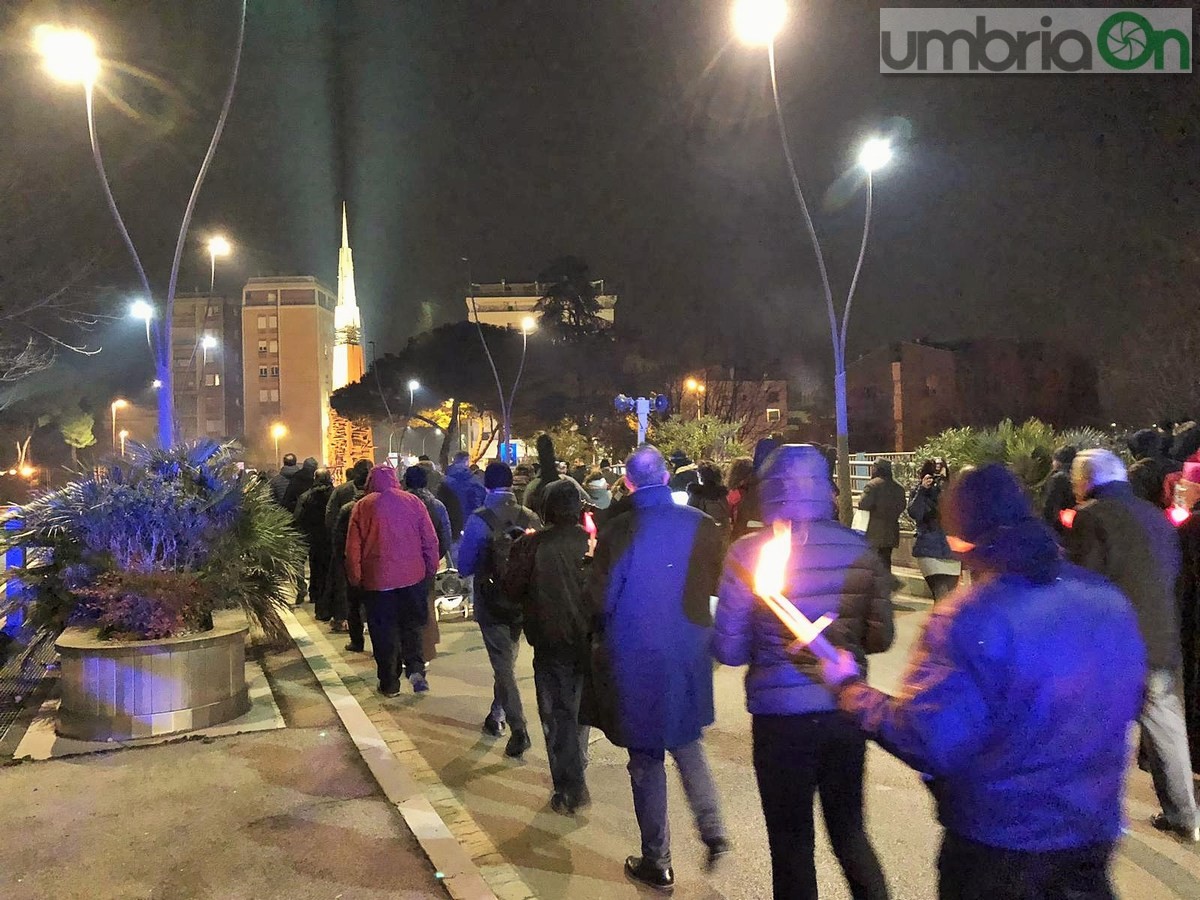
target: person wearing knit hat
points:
(487, 536)
(1016, 703)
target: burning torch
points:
(770, 576)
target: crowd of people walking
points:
(1079, 620)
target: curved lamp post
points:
(70, 56)
(217, 245)
(758, 23)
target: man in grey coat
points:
(884, 499)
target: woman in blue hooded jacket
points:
(802, 744)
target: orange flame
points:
(770, 575)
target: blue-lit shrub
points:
(152, 548)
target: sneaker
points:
(644, 872)
(1185, 834)
(356, 648)
(493, 726)
(419, 683)
(392, 690)
(717, 850)
(518, 743)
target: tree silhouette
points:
(570, 303)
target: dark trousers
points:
(941, 585)
(318, 580)
(354, 615)
(396, 619)
(558, 679)
(971, 871)
(502, 641)
(885, 553)
(795, 758)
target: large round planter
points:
(120, 690)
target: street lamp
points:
(119, 403)
(208, 342)
(156, 383)
(70, 56)
(413, 387)
(278, 430)
(528, 325)
(218, 245)
(758, 23)
(695, 387)
(123, 434)
(144, 310)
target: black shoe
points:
(356, 648)
(518, 743)
(493, 726)
(717, 850)
(643, 872)
(584, 800)
(562, 805)
(392, 690)
(1185, 834)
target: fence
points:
(904, 469)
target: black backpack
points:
(503, 533)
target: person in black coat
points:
(884, 499)
(1129, 541)
(1188, 594)
(300, 482)
(309, 517)
(1057, 494)
(1152, 464)
(931, 549)
(546, 573)
(280, 481)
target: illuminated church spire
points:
(347, 352)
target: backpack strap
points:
(490, 519)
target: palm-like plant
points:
(154, 547)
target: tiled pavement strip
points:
(471, 865)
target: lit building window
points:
(213, 380)
(274, 346)
(262, 323)
(272, 322)
(275, 371)
(262, 346)
(262, 371)
(264, 395)
(274, 395)
(772, 415)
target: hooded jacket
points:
(391, 542)
(468, 491)
(831, 571)
(1146, 476)
(299, 483)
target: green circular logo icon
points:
(1126, 41)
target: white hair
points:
(1093, 468)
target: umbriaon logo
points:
(1043, 41)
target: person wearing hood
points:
(651, 683)
(1151, 464)
(546, 573)
(708, 495)
(1016, 705)
(1057, 494)
(802, 745)
(883, 498)
(1130, 542)
(684, 472)
(279, 483)
(309, 517)
(300, 482)
(391, 550)
(481, 555)
(434, 476)
(468, 491)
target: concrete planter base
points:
(120, 690)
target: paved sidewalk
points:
(287, 814)
(499, 811)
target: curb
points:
(455, 868)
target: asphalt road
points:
(581, 857)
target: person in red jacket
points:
(391, 549)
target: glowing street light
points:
(528, 324)
(123, 434)
(218, 245)
(68, 55)
(875, 154)
(156, 383)
(207, 342)
(758, 22)
(26, 471)
(119, 403)
(278, 430)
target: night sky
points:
(634, 133)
